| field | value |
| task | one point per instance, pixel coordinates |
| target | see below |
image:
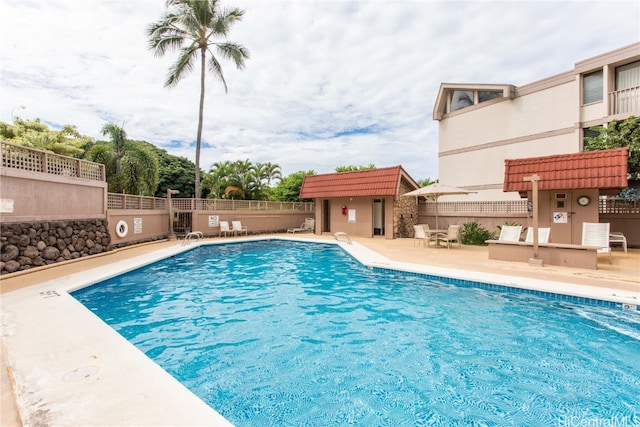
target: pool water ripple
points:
(278, 334)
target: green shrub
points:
(473, 233)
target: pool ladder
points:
(339, 234)
(192, 235)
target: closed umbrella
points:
(436, 190)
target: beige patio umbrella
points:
(436, 190)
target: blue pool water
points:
(278, 333)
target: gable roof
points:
(372, 182)
(603, 169)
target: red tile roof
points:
(604, 169)
(372, 182)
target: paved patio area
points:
(621, 276)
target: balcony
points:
(624, 101)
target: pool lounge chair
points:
(224, 228)
(510, 233)
(307, 225)
(616, 237)
(597, 234)
(237, 227)
(543, 235)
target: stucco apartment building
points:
(482, 125)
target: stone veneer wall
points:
(405, 212)
(26, 245)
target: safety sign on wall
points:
(560, 217)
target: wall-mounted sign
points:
(137, 225)
(214, 221)
(560, 217)
(352, 215)
(6, 205)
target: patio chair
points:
(597, 234)
(237, 227)
(543, 235)
(307, 225)
(510, 233)
(452, 235)
(224, 228)
(420, 234)
(616, 237)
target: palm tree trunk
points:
(200, 122)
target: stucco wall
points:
(33, 196)
(473, 144)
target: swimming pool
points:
(285, 333)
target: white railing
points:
(24, 158)
(130, 201)
(617, 205)
(624, 101)
(239, 205)
(466, 208)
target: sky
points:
(328, 82)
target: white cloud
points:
(329, 83)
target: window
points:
(628, 76)
(592, 86)
(466, 98)
(487, 95)
(589, 133)
(461, 99)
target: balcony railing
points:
(624, 101)
(24, 158)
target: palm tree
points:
(118, 138)
(196, 24)
(132, 167)
(265, 173)
(216, 180)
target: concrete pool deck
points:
(68, 368)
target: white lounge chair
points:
(543, 235)
(224, 228)
(452, 235)
(510, 233)
(420, 234)
(308, 225)
(616, 237)
(597, 234)
(237, 227)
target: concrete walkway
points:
(622, 276)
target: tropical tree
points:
(67, 141)
(217, 179)
(288, 189)
(426, 181)
(266, 172)
(618, 134)
(176, 173)
(352, 168)
(131, 166)
(193, 27)
(118, 139)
